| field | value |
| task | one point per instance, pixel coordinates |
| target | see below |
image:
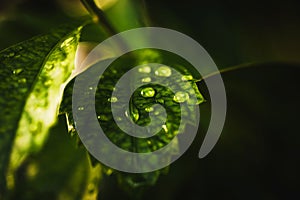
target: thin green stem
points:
(248, 65)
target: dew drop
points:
(22, 80)
(149, 109)
(80, 108)
(165, 128)
(145, 69)
(48, 82)
(49, 66)
(33, 127)
(135, 116)
(17, 71)
(113, 99)
(156, 113)
(148, 92)
(187, 78)
(181, 97)
(146, 80)
(164, 71)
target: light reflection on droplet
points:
(22, 80)
(135, 116)
(187, 78)
(48, 82)
(17, 71)
(181, 97)
(149, 109)
(145, 69)
(165, 128)
(113, 99)
(80, 108)
(148, 92)
(146, 80)
(164, 71)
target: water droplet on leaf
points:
(80, 108)
(49, 66)
(135, 116)
(187, 78)
(181, 97)
(113, 99)
(164, 71)
(165, 128)
(146, 80)
(48, 82)
(148, 92)
(145, 69)
(149, 109)
(22, 80)
(17, 71)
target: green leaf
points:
(140, 106)
(33, 75)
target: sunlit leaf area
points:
(256, 46)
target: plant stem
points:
(99, 16)
(248, 65)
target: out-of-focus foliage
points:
(33, 74)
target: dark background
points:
(257, 155)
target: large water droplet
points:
(149, 109)
(145, 69)
(148, 92)
(181, 97)
(22, 80)
(146, 80)
(113, 99)
(17, 71)
(80, 108)
(187, 78)
(164, 71)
